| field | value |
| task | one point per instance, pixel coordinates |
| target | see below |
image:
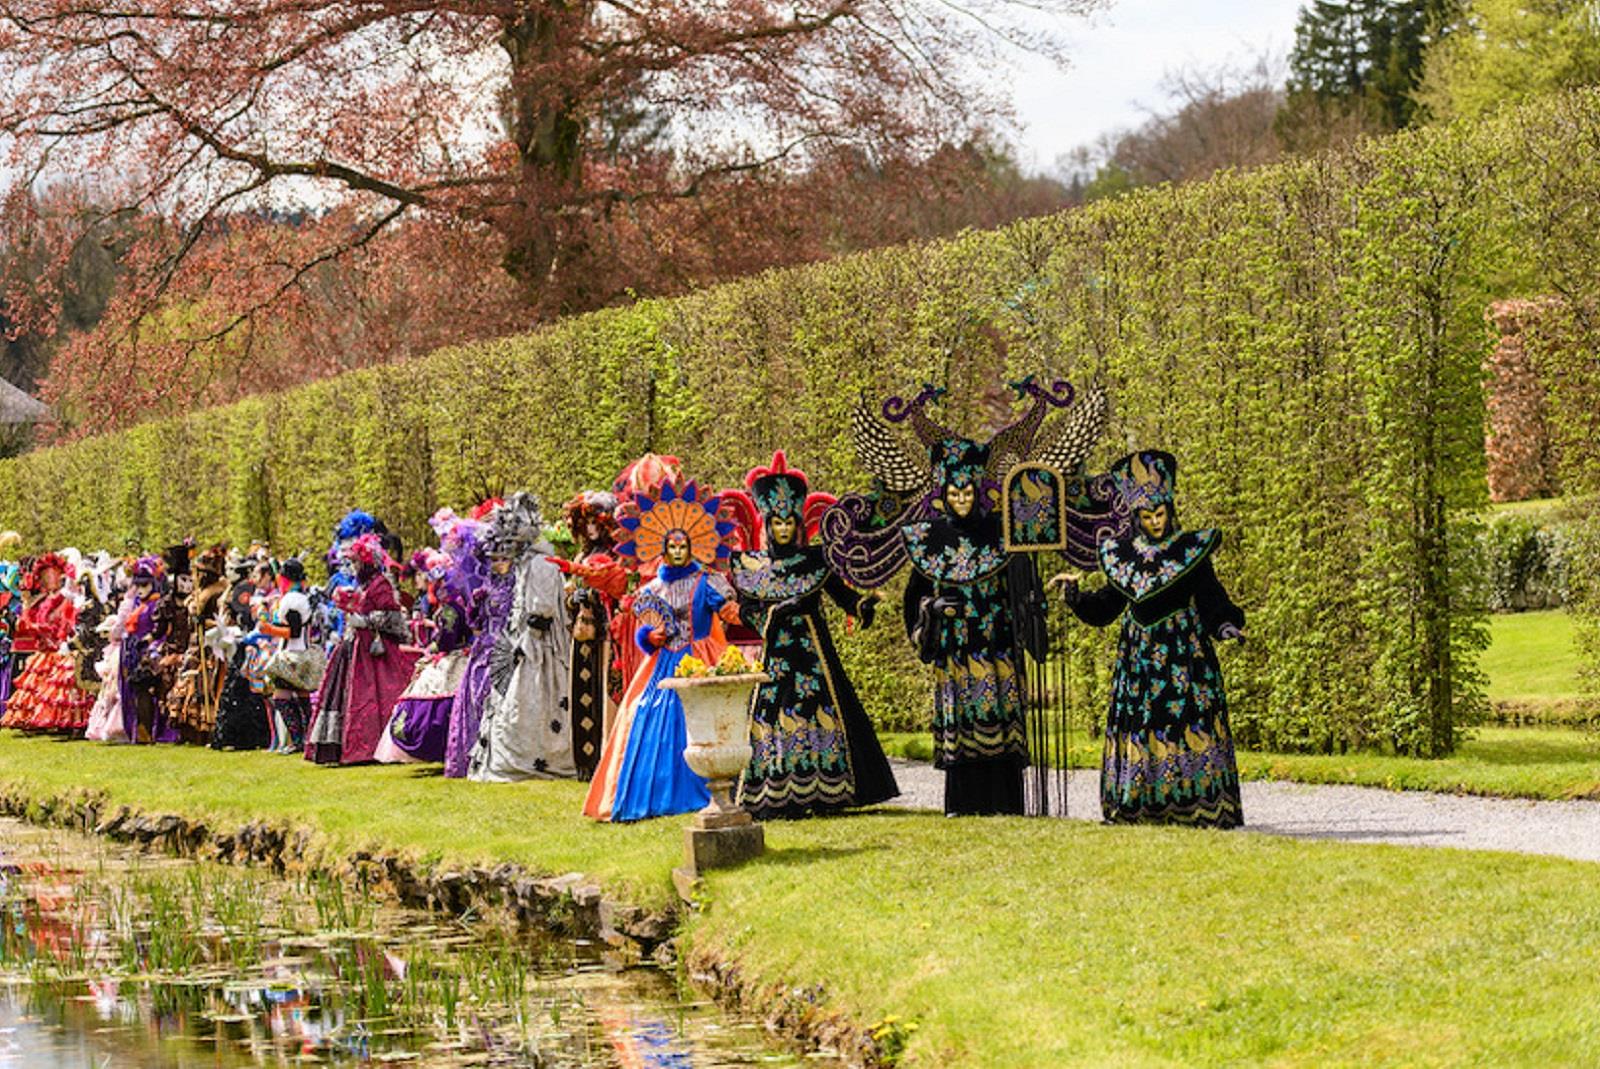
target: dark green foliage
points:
(1307, 338)
(1365, 55)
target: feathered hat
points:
(485, 508)
(1146, 479)
(654, 515)
(47, 562)
(146, 569)
(646, 476)
(176, 558)
(595, 509)
(212, 562)
(355, 524)
(516, 527)
(367, 552)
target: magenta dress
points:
(363, 684)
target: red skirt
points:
(47, 696)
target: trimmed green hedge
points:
(1307, 338)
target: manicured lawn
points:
(1532, 658)
(1010, 942)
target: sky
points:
(1119, 56)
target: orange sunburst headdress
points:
(654, 514)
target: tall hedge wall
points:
(1307, 338)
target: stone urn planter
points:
(716, 713)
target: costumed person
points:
(10, 605)
(244, 716)
(973, 610)
(812, 747)
(526, 730)
(597, 583)
(490, 592)
(642, 478)
(105, 718)
(144, 716)
(192, 703)
(958, 617)
(173, 632)
(369, 670)
(96, 606)
(681, 611)
(1168, 754)
(419, 730)
(294, 669)
(46, 696)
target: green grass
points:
(1532, 657)
(1535, 507)
(1010, 943)
(1549, 763)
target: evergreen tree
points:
(1365, 56)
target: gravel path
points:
(1354, 814)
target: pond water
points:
(113, 957)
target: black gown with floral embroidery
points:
(814, 749)
(1168, 754)
(979, 728)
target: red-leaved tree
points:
(588, 147)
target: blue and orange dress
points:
(642, 772)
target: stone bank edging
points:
(571, 905)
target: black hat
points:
(176, 558)
(293, 570)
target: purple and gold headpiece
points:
(1146, 479)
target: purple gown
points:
(490, 613)
(136, 680)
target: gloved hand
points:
(947, 604)
(1230, 632)
(867, 610)
(357, 620)
(539, 624)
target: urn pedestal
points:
(716, 713)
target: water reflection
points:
(113, 958)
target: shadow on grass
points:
(810, 855)
(1581, 749)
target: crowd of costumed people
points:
(516, 649)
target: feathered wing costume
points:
(813, 747)
(1168, 755)
(681, 611)
(972, 610)
(526, 729)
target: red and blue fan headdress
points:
(660, 511)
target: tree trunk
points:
(548, 134)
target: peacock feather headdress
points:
(655, 513)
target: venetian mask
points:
(782, 529)
(1154, 522)
(960, 500)
(677, 549)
